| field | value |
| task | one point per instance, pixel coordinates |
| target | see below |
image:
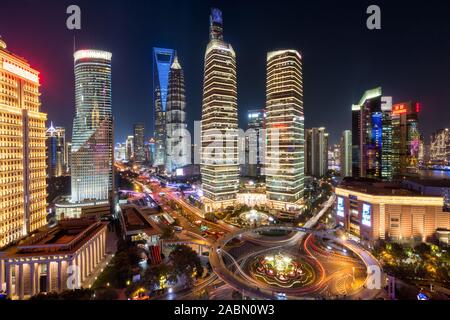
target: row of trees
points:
(423, 261)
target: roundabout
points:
(310, 264)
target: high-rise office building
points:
(162, 61)
(372, 137)
(139, 137)
(440, 147)
(150, 151)
(120, 152)
(346, 153)
(405, 138)
(219, 128)
(316, 154)
(92, 138)
(22, 153)
(129, 146)
(56, 151)
(254, 148)
(177, 145)
(285, 129)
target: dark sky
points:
(409, 57)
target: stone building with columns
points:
(53, 259)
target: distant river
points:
(434, 174)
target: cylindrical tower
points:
(92, 137)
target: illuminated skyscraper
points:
(177, 146)
(129, 145)
(139, 137)
(22, 152)
(219, 131)
(405, 138)
(162, 61)
(372, 137)
(346, 153)
(92, 138)
(56, 151)
(254, 144)
(316, 153)
(440, 147)
(285, 129)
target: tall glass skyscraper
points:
(139, 137)
(92, 138)
(162, 61)
(219, 129)
(285, 123)
(177, 146)
(372, 137)
(56, 151)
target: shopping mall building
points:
(373, 210)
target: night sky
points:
(409, 57)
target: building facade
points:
(22, 149)
(38, 265)
(373, 211)
(372, 137)
(138, 145)
(440, 147)
(92, 138)
(178, 150)
(346, 153)
(285, 129)
(219, 127)
(405, 138)
(162, 61)
(316, 153)
(56, 151)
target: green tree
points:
(186, 261)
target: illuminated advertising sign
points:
(367, 215)
(20, 72)
(399, 109)
(340, 207)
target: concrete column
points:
(20, 280)
(97, 254)
(2, 272)
(49, 276)
(60, 276)
(80, 265)
(91, 257)
(32, 278)
(8, 279)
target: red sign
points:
(399, 109)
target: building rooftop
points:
(64, 238)
(135, 221)
(375, 187)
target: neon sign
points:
(23, 73)
(399, 109)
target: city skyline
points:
(324, 68)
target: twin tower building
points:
(284, 158)
(92, 148)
